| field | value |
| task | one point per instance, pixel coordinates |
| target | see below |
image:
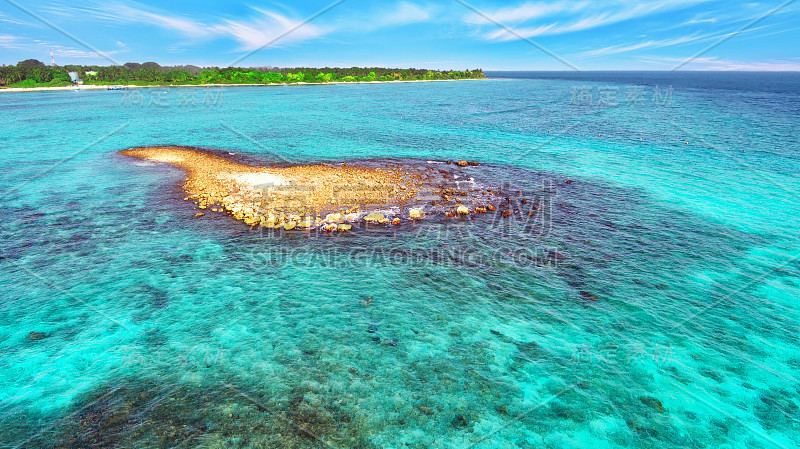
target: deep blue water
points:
(650, 301)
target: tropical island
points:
(32, 73)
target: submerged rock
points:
(462, 210)
(35, 336)
(653, 403)
(459, 421)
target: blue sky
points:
(454, 34)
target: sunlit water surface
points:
(650, 301)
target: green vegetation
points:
(33, 73)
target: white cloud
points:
(614, 49)
(7, 40)
(398, 14)
(524, 12)
(42, 48)
(624, 48)
(132, 12)
(567, 16)
(266, 29)
(7, 19)
(251, 33)
(403, 14)
(187, 27)
(696, 21)
(716, 64)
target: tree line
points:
(33, 73)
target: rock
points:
(345, 227)
(450, 214)
(462, 163)
(383, 221)
(474, 164)
(199, 214)
(415, 214)
(507, 213)
(462, 210)
(425, 410)
(480, 210)
(35, 336)
(330, 227)
(333, 217)
(290, 225)
(372, 328)
(569, 181)
(490, 207)
(460, 421)
(307, 223)
(653, 403)
(396, 221)
(374, 217)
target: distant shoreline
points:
(131, 86)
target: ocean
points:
(649, 299)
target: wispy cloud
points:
(624, 48)
(8, 19)
(262, 27)
(250, 32)
(36, 46)
(385, 15)
(614, 49)
(714, 63)
(265, 28)
(132, 13)
(568, 16)
(696, 21)
(403, 13)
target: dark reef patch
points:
(150, 413)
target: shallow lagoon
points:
(651, 300)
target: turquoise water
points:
(650, 301)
